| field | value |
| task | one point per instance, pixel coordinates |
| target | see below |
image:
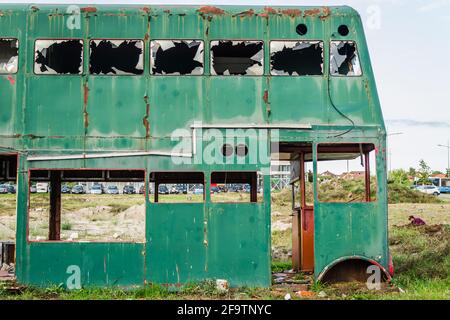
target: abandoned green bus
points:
(190, 105)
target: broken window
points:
(86, 205)
(177, 187)
(116, 57)
(9, 55)
(237, 57)
(176, 57)
(233, 186)
(298, 58)
(344, 60)
(58, 57)
(346, 173)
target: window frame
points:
(359, 60)
(237, 75)
(322, 42)
(150, 197)
(257, 202)
(176, 75)
(27, 222)
(116, 75)
(82, 72)
(316, 174)
(18, 55)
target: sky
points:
(409, 46)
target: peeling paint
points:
(211, 10)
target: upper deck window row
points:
(184, 57)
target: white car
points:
(41, 187)
(96, 189)
(429, 190)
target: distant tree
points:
(412, 172)
(399, 176)
(423, 173)
(436, 172)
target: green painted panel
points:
(176, 251)
(55, 113)
(175, 103)
(238, 244)
(298, 98)
(100, 264)
(244, 103)
(122, 98)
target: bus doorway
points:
(302, 201)
(8, 206)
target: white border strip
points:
(109, 155)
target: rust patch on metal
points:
(11, 80)
(85, 101)
(145, 121)
(270, 10)
(146, 9)
(167, 11)
(211, 10)
(321, 13)
(247, 13)
(146, 37)
(88, 9)
(266, 96)
(34, 8)
(292, 12)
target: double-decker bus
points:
(194, 97)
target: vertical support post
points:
(54, 232)
(367, 175)
(302, 182)
(254, 188)
(156, 189)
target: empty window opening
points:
(233, 186)
(116, 57)
(176, 57)
(177, 187)
(58, 57)
(8, 175)
(237, 57)
(9, 55)
(86, 205)
(346, 173)
(344, 60)
(298, 58)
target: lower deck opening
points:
(8, 217)
(86, 205)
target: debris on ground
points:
(416, 221)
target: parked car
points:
(65, 189)
(3, 188)
(162, 189)
(215, 190)
(33, 188)
(11, 188)
(429, 190)
(198, 191)
(78, 189)
(112, 189)
(96, 189)
(129, 189)
(181, 188)
(42, 187)
(173, 190)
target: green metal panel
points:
(176, 250)
(238, 250)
